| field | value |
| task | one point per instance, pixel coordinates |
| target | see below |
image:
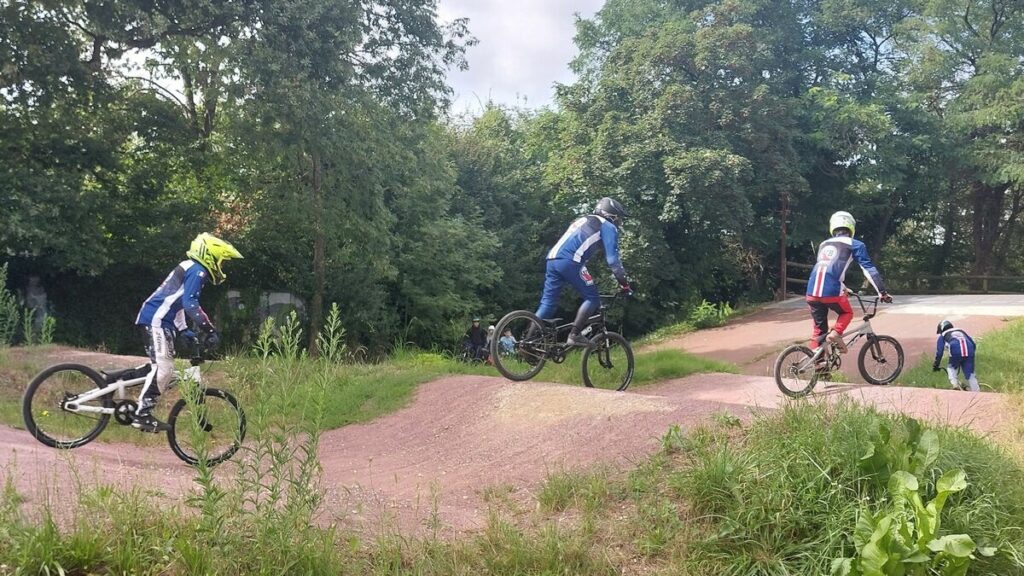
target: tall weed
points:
(49, 327)
(10, 312)
(28, 325)
(708, 315)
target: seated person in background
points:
(476, 340)
(507, 342)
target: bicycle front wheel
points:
(880, 360)
(795, 373)
(209, 428)
(608, 362)
(527, 356)
(42, 407)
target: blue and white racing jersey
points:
(834, 258)
(958, 342)
(176, 296)
(584, 236)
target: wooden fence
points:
(925, 284)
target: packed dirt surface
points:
(435, 463)
(753, 341)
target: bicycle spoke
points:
(529, 349)
(609, 364)
(53, 425)
(881, 360)
(795, 371)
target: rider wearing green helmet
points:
(163, 316)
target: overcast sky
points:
(525, 47)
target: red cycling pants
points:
(820, 308)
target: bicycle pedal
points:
(153, 426)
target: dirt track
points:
(462, 435)
(753, 341)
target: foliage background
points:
(313, 134)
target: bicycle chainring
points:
(836, 362)
(123, 411)
(557, 354)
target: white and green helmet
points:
(842, 220)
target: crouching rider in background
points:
(961, 355)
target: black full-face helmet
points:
(611, 209)
(943, 326)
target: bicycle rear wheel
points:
(48, 421)
(530, 351)
(608, 362)
(795, 373)
(880, 360)
(210, 428)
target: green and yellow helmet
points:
(842, 219)
(211, 252)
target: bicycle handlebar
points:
(859, 295)
(200, 349)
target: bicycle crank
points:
(124, 411)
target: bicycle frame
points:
(595, 323)
(77, 403)
(850, 338)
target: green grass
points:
(999, 363)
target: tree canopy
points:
(313, 134)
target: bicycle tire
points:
(234, 427)
(35, 408)
(784, 367)
(600, 349)
(510, 364)
(874, 344)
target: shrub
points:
(708, 315)
(9, 311)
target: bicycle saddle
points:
(126, 374)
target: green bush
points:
(787, 498)
(708, 315)
(9, 311)
(28, 321)
(49, 327)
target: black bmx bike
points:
(607, 363)
(69, 405)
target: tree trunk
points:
(940, 264)
(783, 272)
(987, 203)
(316, 307)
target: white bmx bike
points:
(68, 405)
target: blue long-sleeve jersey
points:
(584, 236)
(834, 258)
(177, 296)
(960, 344)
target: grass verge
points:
(999, 362)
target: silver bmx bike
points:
(880, 361)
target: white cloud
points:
(525, 48)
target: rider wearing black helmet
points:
(567, 259)
(961, 355)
